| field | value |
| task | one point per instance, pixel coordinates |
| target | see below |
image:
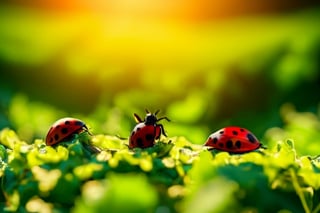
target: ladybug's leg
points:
(121, 138)
(162, 130)
(85, 128)
(137, 118)
(167, 119)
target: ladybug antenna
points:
(137, 118)
(156, 112)
(147, 111)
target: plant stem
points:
(317, 209)
(299, 191)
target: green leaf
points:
(216, 195)
(119, 193)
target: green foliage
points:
(176, 175)
(119, 193)
(173, 176)
(302, 127)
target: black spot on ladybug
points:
(56, 137)
(241, 130)
(221, 132)
(238, 144)
(229, 144)
(221, 145)
(149, 137)
(138, 129)
(78, 123)
(215, 140)
(132, 133)
(64, 130)
(234, 132)
(67, 122)
(251, 138)
(139, 142)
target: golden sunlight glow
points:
(146, 9)
(160, 9)
(99, 35)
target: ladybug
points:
(146, 131)
(233, 139)
(63, 129)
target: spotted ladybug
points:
(63, 129)
(146, 131)
(233, 139)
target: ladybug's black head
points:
(150, 119)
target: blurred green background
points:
(204, 64)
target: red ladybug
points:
(146, 131)
(63, 129)
(233, 139)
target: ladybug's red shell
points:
(64, 128)
(144, 136)
(146, 131)
(233, 139)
